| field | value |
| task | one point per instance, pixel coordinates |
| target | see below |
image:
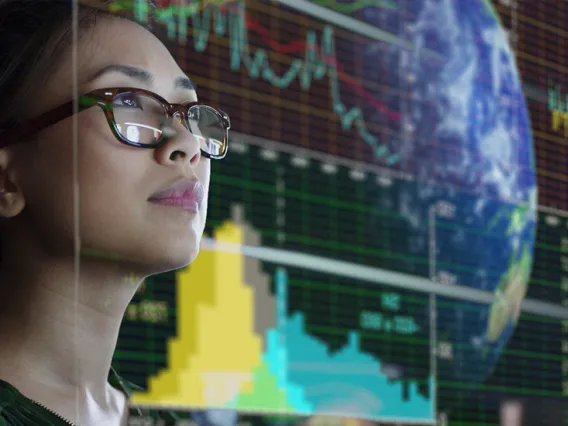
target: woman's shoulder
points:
(17, 410)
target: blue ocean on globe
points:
(465, 136)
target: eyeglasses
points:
(139, 118)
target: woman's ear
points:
(6, 186)
(12, 200)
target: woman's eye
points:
(128, 101)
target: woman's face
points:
(115, 180)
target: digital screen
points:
(377, 326)
(349, 273)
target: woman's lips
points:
(187, 194)
(187, 203)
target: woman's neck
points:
(60, 332)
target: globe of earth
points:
(465, 137)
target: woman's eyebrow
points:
(184, 83)
(141, 75)
(128, 70)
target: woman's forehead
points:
(113, 41)
(119, 41)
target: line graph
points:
(329, 60)
(356, 5)
(340, 20)
(318, 63)
(332, 4)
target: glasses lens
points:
(206, 125)
(138, 117)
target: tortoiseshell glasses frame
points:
(104, 98)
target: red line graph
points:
(299, 46)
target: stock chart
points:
(323, 287)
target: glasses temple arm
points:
(35, 125)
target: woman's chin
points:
(174, 261)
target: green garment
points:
(17, 410)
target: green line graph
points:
(356, 5)
(319, 62)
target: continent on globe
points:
(506, 307)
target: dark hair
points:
(34, 35)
